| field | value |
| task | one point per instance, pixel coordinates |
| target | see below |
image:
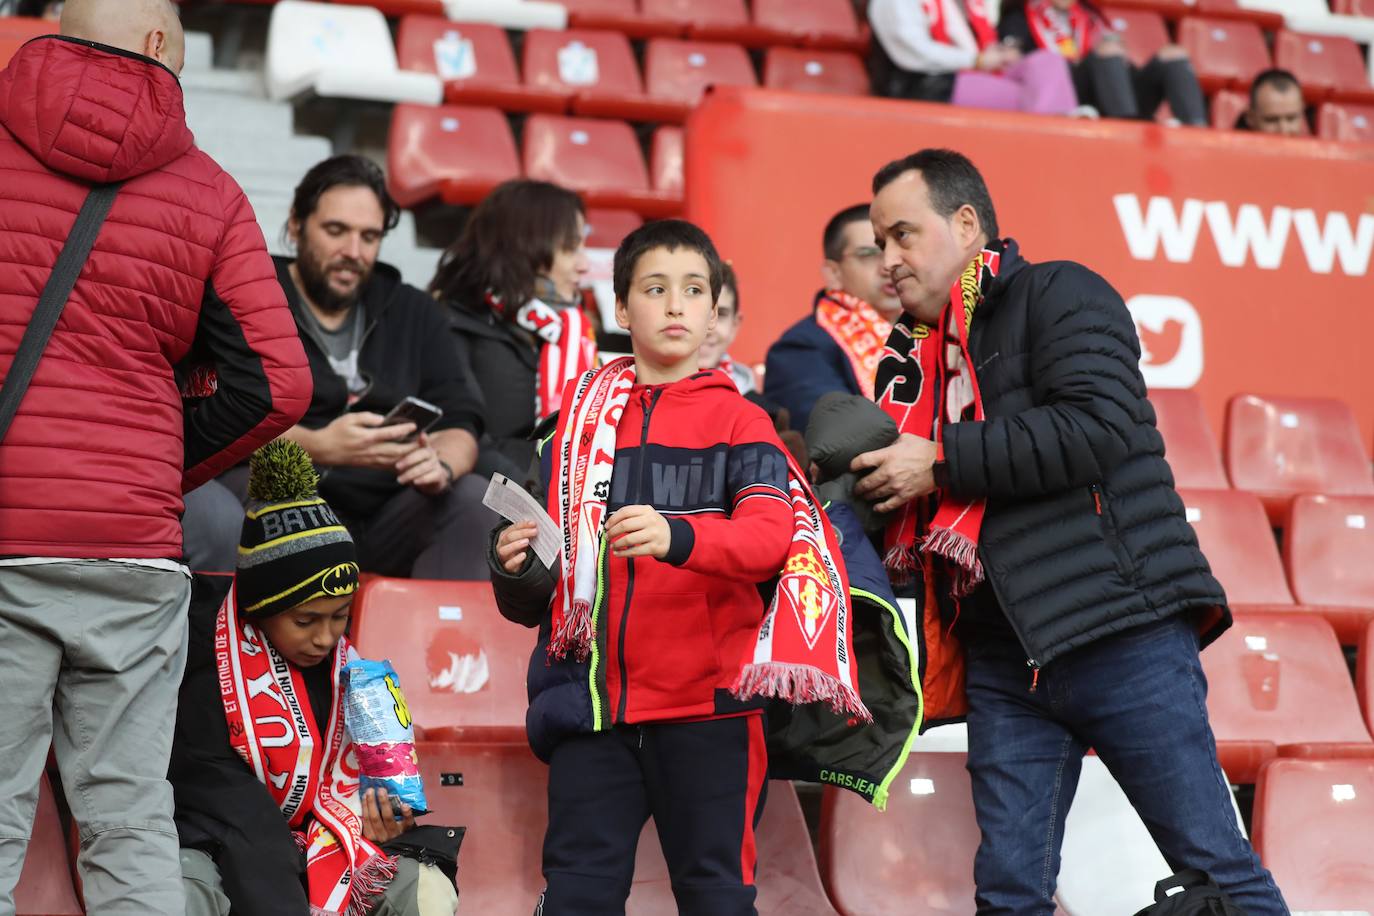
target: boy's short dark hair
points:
(671, 234)
(729, 281)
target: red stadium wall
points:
(1247, 261)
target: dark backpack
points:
(1191, 892)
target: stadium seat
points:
(615, 15)
(462, 664)
(601, 160)
(1279, 447)
(45, 882)
(15, 31)
(1313, 822)
(1189, 444)
(606, 228)
(509, 14)
(1142, 31)
(594, 71)
(1328, 547)
(1353, 8)
(475, 62)
(1235, 536)
(1364, 677)
(459, 152)
(1278, 686)
(1329, 67)
(1226, 54)
(806, 70)
(679, 71)
(1347, 123)
(339, 52)
(895, 863)
(396, 8)
(813, 23)
(1228, 106)
(665, 160)
(1268, 20)
(703, 20)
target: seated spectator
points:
(260, 832)
(1103, 75)
(373, 341)
(838, 345)
(947, 51)
(715, 350)
(1276, 105)
(513, 283)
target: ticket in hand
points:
(512, 502)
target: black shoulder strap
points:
(54, 298)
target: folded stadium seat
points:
(1142, 31)
(615, 15)
(1189, 444)
(594, 71)
(1347, 123)
(339, 52)
(895, 863)
(1328, 548)
(679, 71)
(665, 160)
(601, 160)
(457, 152)
(462, 664)
(813, 23)
(703, 20)
(16, 31)
(1329, 67)
(1353, 8)
(1279, 447)
(395, 8)
(1235, 536)
(1267, 20)
(1364, 677)
(475, 62)
(1226, 54)
(807, 70)
(606, 228)
(45, 882)
(1313, 822)
(509, 14)
(1228, 106)
(1278, 686)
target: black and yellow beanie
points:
(293, 548)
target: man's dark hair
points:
(1279, 80)
(832, 242)
(671, 234)
(344, 171)
(953, 181)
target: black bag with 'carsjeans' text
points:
(1191, 892)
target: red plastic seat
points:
(1142, 31)
(1327, 66)
(1280, 447)
(45, 882)
(813, 23)
(1228, 106)
(1347, 123)
(1364, 677)
(615, 15)
(679, 71)
(394, 8)
(896, 863)
(594, 70)
(475, 62)
(1225, 53)
(15, 31)
(606, 228)
(1235, 536)
(457, 152)
(1329, 551)
(1216, 9)
(806, 70)
(665, 160)
(1353, 7)
(462, 664)
(1312, 825)
(1189, 444)
(1278, 686)
(601, 160)
(704, 20)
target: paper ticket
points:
(512, 502)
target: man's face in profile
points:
(1278, 110)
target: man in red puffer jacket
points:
(92, 596)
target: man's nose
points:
(892, 256)
(354, 248)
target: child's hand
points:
(638, 531)
(513, 546)
(379, 821)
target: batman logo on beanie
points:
(341, 580)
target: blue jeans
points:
(1140, 700)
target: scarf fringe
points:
(369, 882)
(901, 561)
(799, 684)
(961, 550)
(574, 632)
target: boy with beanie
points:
(676, 501)
(268, 804)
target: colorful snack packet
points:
(378, 721)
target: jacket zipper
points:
(649, 400)
(1031, 663)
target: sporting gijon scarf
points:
(567, 348)
(975, 11)
(1070, 33)
(858, 330)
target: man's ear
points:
(830, 272)
(155, 45)
(967, 225)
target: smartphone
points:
(413, 410)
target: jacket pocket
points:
(670, 653)
(1107, 523)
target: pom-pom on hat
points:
(293, 548)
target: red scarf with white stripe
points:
(567, 349)
(858, 329)
(1070, 33)
(975, 11)
(312, 778)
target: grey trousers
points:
(417, 890)
(91, 657)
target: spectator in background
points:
(1103, 75)
(715, 350)
(39, 9)
(947, 51)
(837, 347)
(513, 281)
(92, 598)
(1276, 105)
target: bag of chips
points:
(378, 721)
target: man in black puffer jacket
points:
(1085, 630)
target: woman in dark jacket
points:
(513, 281)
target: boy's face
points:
(306, 634)
(719, 339)
(668, 310)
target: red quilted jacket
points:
(98, 457)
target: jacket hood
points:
(699, 381)
(95, 113)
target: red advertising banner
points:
(1246, 260)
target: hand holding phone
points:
(413, 410)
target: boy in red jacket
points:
(645, 625)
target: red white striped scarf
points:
(567, 348)
(975, 11)
(858, 329)
(272, 727)
(1070, 33)
(925, 381)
